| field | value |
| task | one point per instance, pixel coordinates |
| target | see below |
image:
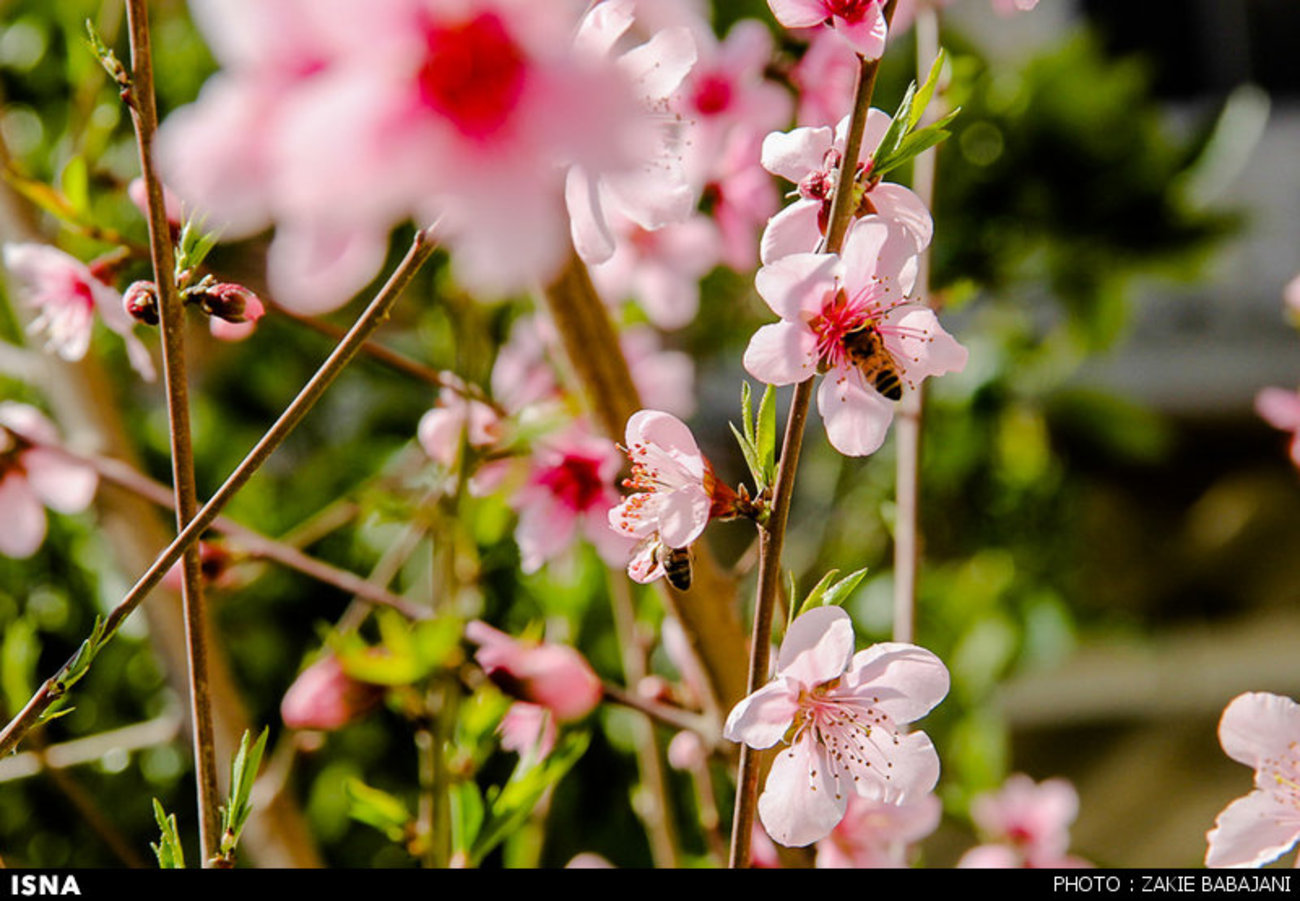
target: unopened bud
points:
(324, 697)
(231, 302)
(141, 302)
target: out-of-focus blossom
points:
(588, 860)
(529, 730)
(660, 269)
(811, 157)
(324, 697)
(1280, 408)
(455, 416)
(686, 751)
(860, 22)
(741, 196)
(554, 676)
(675, 491)
(33, 477)
(335, 121)
(569, 489)
(876, 834)
(849, 316)
(66, 296)
(905, 13)
(655, 192)
(846, 711)
(215, 562)
(1026, 824)
(826, 76)
(171, 203)
(1262, 731)
(1291, 298)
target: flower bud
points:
(141, 302)
(231, 302)
(325, 697)
(552, 675)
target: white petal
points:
(817, 647)
(799, 805)
(857, 418)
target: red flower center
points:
(575, 482)
(713, 94)
(849, 10)
(473, 74)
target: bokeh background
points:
(1111, 534)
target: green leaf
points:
(897, 128)
(243, 773)
(75, 184)
(467, 814)
(750, 454)
(517, 798)
(765, 445)
(914, 144)
(170, 854)
(747, 412)
(791, 593)
(814, 598)
(926, 91)
(838, 593)
(379, 809)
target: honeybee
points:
(676, 562)
(867, 351)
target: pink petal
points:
(592, 237)
(761, 720)
(63, 484)
(782, 353)
(1251, 832)
(669, 434)
(857, 418)
(881, 251)
(931, 352)
(990, 857)
(794, 154)
(22, 528)
(898, 204)
(1259, 725)
(791, 231)
(658, 66)
(914, 771)
(867, 36)
(799, 13)
(795, 286)
(683, 515)
(1279, 408)
(907, 680)
(817, 647)
(799, 804)
(316, 270)
(644, 567)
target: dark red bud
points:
(141, 302)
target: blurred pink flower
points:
(441, 429)
(860, 22)
(1262, 731)
(67, 296)
(570, 487)
(825, 75)
(215, 561)
(877, 834)
(741, 196)
(660, 269)
(1280, 408)
(686, 751)
(33, 477)
(905, 13)
(324, 697)
(845, 711)
(171, 203)
(828, 306)
(1027, 824)
(674, 491)
(528, 730)
(554, 676)
(811, 157)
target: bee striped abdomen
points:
(866, 350)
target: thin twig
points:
(54, 688)
(907, 490)
(144, 113)
(772, 536)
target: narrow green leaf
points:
(791, 597)
(916, 143)
(467, 813)
(814, 598)
(170, 854)
(75, 184)
(747, 412)
(838, 593)
(751, 455)
(243, 774)
(377, 808)
(765, 445)
(926, 92)
(897, 128)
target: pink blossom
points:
(67, 296)
(1262, 731)
(1027, 825)
(1281, 409)
(215, 561)
(33, 476)
(876, 834)
(826, 302)
(660, 269)
(860, 22)
(588, 860)
(673, 491)
(686, 751)
(811, 157)
(655, 191)
(554, 676)
(324, 697)
(528, 730)
(826, 76)
(570, 488)
(441, 429)
(1291, 298)
(741, 196)
(846, 711)
(139, 195)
